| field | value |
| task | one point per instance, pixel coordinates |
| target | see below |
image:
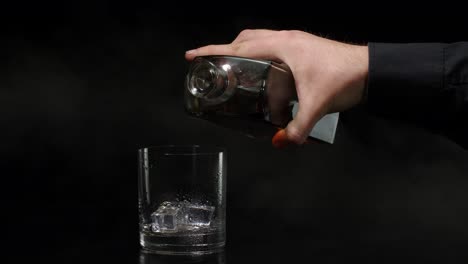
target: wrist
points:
(361, 74)
(364, 75)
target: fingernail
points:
(191, 51)
(280, 140)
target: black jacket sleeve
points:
(422, 83)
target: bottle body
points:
(253, 96)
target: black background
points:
(84, 85)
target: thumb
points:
(299, 128)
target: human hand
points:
(330, 76)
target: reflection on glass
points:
(146, 257)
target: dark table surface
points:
(258, 236)
(259, 243)
(85, 85)
(256, 241)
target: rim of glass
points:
(194, 149)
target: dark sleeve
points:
(422, 83)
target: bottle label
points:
(325, 128)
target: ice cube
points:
(197, 215)
(165, 218)
(181, 216)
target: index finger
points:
(264, 48)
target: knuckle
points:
(243, 35)
(295, 136)
(245, 32)
(295, 32)
(288, 34)
(236, 47)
